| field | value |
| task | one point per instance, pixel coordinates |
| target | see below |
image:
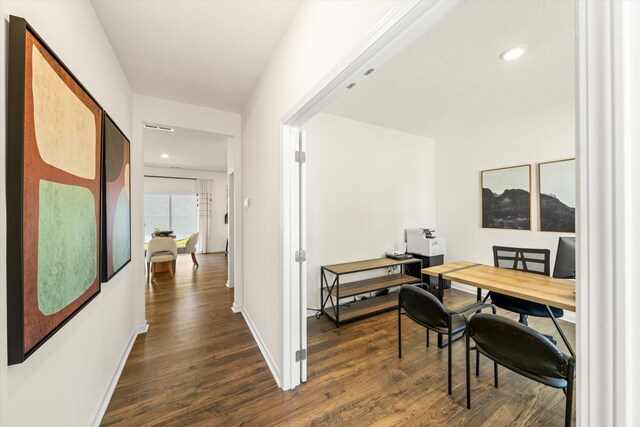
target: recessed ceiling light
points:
(164, 155)
(163, 128)
(513, 53)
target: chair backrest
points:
(523, 259)
(162, 244)
(517, 346)
(423, 307)
(190, 247)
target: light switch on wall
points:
(246, 202)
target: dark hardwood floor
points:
(199, 365)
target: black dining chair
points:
(529, 260)
(426, 310)
(523, 350)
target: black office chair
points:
(426, 310)
(522, 350)
(532, 261)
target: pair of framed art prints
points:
(68, 194)
(506, 197)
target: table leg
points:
(564, 338)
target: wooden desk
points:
(520, 284)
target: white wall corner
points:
(273, 367)
(236, 308)
(102, 409)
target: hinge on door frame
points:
(301, 157)
(301, 256)
(301, 355)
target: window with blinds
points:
(177, 212)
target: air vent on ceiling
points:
(154, 127)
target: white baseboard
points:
(265, 353)
(229, 285)
(569, 316)
(236, 308)
(141, 329)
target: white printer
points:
(421, 241)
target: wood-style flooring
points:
(199, 365)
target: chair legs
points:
(427, 337)
(400, 329)
(568, 415)
(171, 271)
(449, 363)
(193, 258)
(468, 360)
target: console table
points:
(331, 294)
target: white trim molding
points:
(102, 409)
(236, 308)
(607, 271)
(263, 348)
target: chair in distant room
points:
(190, 248)
(529, 260)
(161, 249)
(523, 350)
(426, 310)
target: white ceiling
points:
(208, 53)
(452, 78)
(187, 149)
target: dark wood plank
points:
(199, 365)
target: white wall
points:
(64, 382)
(178, 114)
(218, 231)
(538, 136)
(319, 36)
(366, 184)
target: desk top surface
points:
(370, 264)
(529, 286)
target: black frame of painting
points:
(18, 28)
(103, 199)
(540, 196)
(482, 201)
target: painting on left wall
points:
(54, 169)
(116, 223)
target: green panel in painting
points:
(121, 243)
(67, 245)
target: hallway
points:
(197, 358)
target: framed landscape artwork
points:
(54, 140)
(557, 191)
(506, 198)
(116, 223)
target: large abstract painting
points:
(506, 198)
(116, 224)
(53, 193)
(557, 190)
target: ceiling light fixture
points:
(163, 128)
(513, 53)
(164, 155)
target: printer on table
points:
(422, 241)
(424, 245)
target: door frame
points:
(231, 221)
(604, 320)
